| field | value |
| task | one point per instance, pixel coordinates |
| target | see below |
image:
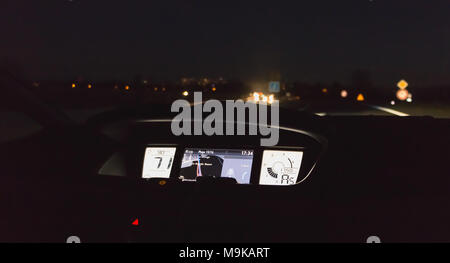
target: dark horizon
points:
(308, 42)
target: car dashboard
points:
(152, 153)
(329, 179)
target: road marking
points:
(391, 111)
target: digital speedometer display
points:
(280, 167)
(231, 163)
(158, 162)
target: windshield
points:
(200, 123)
(325, 57)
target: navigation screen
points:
(280, 167)
(158, 162)
(216, 163)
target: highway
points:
(354, 108)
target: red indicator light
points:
(135, 222)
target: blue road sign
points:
(274, 86)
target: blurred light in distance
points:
(127, 87)
(392, 102)
(360, 97)
(402, 84)
(344, 93)
(185, 93)
(271, 99)
(255, 96)
(89, 86)
(213, 89)
(324, 90)
(264, 98)
(73, 85)
(402, 94)
(408, 99)
(155, 88)
(162, 182)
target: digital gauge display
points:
(231, 163)
(158, 162)
(280, 167)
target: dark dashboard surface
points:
(384, 176)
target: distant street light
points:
(344, 93)
(409, 99)
(255, 96)
(402, 94)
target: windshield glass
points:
(325, 57)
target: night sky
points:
(303, 40)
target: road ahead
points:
(350, 108)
